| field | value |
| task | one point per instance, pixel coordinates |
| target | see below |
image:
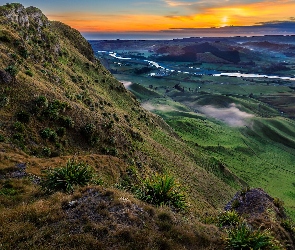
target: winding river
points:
(192, 70)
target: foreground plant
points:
(162, 190)
(243, 238)
(229, 218)
(66, 178)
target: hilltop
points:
(58, 104)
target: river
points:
(192, 70)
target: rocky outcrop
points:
(261, 211)
(5, 77)
(30, 17)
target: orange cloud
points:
(236, 15)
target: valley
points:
(231, 98)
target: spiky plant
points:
(66, 178)
(162, 190)
(243, 238)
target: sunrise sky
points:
(125, 16)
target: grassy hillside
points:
(67, 122)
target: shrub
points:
(61, 131)
(12, 70)
(41, 102)
(66, 178)
(46, 152)
(19, 137)
(2, 139)
(23, 52)
(279, 204)
(54, 109)
(47, 133)
(4, 100)
(289, 225)
(23, 117)
(162, 190)
(66, 121)
(19, 127)
(29, 73)
(110, 151)
(228, 218)
(243, 237)
(88, 130)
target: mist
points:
(231, 116)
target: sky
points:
(163, 17)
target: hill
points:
(61, 109)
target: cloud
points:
(179, 3)
(178, 14)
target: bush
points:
(66, 178)
(12, 70)
(41, 102)
(66, 121)
(19, 127)
(23, 117)
(46, 152)
(88, 130)
(162, 190)
(243, 237)
(47, 133)
(23, 52)
(29, 73)
(228, 218)
(61, 131)
(4, 100)
(110, 151)
(289, 225)
(54, 108)
(2, 138)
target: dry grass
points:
(99, 217)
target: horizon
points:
(181, 35)
(171, 19)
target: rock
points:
(5, 77)
(260, 211)
(254, 203)
(20, 171)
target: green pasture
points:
(262, 152)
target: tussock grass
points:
(66, 178)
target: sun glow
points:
(224, 21)
(234, 15)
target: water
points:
(194, 71)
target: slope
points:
(59, 102)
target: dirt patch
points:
(97, 206)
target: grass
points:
(244, 238)
(67, 178)
(229, 218)
(162, 190)
(261, 153)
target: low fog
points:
(126, 84)
(151, 107)
(232, 115)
